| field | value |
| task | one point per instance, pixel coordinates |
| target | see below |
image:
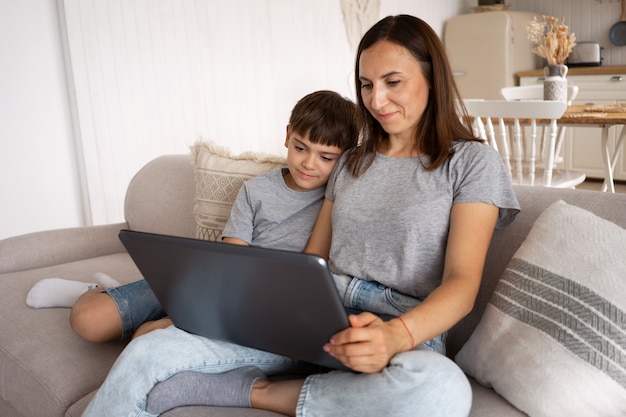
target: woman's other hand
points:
(370, 343)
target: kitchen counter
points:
(599, 70)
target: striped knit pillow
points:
(552, 340)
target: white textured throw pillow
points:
(552, 340)
(219, 175)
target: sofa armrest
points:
(53, 247)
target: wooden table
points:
(604, 117)
(599, 70)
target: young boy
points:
(275, 210)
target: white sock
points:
(104, 281)
(58, 292)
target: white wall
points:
(40, 185)
(38, 176)
(39, 167)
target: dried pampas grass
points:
(551, 39)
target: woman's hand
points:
(369, 344)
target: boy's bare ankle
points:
(261, 384)
(259, 394)
(277, 396)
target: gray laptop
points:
(276, 301)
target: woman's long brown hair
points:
(440, 124)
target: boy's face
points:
(310, 164)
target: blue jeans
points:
(136, 304)
(416, 383)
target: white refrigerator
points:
(487, 49)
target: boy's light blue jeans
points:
(416, 383)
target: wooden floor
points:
(593, 184)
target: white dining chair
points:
(516, 144)
(535, 92)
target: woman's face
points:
(393, 88)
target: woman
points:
(411, 213)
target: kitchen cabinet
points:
(581, 149)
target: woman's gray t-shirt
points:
(269, 214)
(390, 225)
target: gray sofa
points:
(47, 371)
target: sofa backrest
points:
(161, 196)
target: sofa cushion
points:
(487, 403)
(551, 340)
(218, 177)
(44, 366)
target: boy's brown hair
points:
(328, 118)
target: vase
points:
(555, 83)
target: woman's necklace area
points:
(398, 151)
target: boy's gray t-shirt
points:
(390, 225)
(269, 214)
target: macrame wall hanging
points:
(358, 17)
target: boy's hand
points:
(368, 345)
